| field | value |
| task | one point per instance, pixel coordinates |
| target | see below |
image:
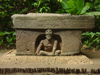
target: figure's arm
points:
(54, 47)
(39, 47)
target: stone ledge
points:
(11, 58)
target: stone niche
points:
(67, 30)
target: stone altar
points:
(67, 30)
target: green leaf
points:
(1, 42)
(7, 33)
(71, 6)
(97, 33)
(23, 10)
(98, 46)
(65, 1)
(60, 11)
(86, 42)
(93, 13)
(87, 6)
(92, 35)
(2, 34)
(59, 0)
(10, 6)
(35, 4)
(79, 5)
(14, 33)
(86, 33)
(9, 39)
(1, 7)
(64, 4)
(8, 45)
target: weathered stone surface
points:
(28, 40)
(53, 21)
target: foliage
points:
(7, 37)
(75, 6)
(92, 39)
(95, 5)
(42, 6)
(47, 6)
(93, 13)
(95, 40)
(8, 8)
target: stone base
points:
(70, 53)
(11, 58)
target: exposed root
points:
(53, 70)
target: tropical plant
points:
(92, 39)
(46, 6)
(42, 6)
(8, 8)
(75, 6)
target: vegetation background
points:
(10, 7)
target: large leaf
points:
(14, 33)
(59, 0)
(7, 33)
(93, 13)
(23, 10)
(65, 1)
(79, 4)
(87, 7)
(2, 34)
(97, 7)
(71, 6)
(9, 39)
(64, 4)
(1, 41)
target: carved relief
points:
(48, 46)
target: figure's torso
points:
(48, 45)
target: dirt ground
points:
(10, 57)
(93, 55)
(3, 51)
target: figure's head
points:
(48, 34)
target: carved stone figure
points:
(49, 45)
